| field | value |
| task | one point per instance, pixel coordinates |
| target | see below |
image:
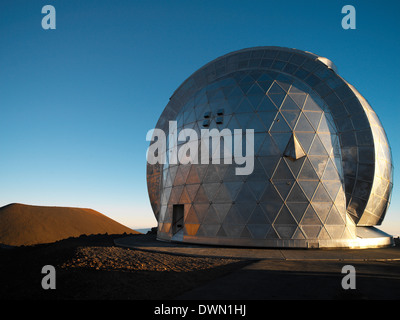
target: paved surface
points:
(276, 274)
(303, 280)
(150, 243)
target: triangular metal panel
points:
(311, 232)
(211, 216)
(245, 233)
(296, 194)
(231, 176)
(233, 188)
(299, 87)
(271, 209)
(165, 195)
(221, 169)
(322, 209)
(305, 139)
(211, 175)
(324, 125)
(295, 166)
(271, 194)
(307, 172)
(233, 101)
(283, 187)
(245, 209)
(185, 197)
(191, 229)
(233, 124)
(283, 83)
(309, 187)
(201, 196)
(201, 170)
(303, 125)
(234, 217)
(258, 231)
(317, 148)
(310, 217)
(333, 187)
(244, 119)
(280, 124)
(255, 123)
(257, 216)
(328, 141)
(330, 172)
(222, 195)
(209, 230)
(255, 95)
(192, 190)
(282, 171)
(335, 231)
(191, 216)
(314, 118)
(281, 140)
(267, 118)
(323, 234)
(277, 99)
(221, 210)
(291, 117)
(334, 217)
(284, 217)
(269, 164)
(321, 195)
(245, 194)
(172, 172)
(272, 234)
(175, 194)
(276, 89)
(201, 210)
(319, 164)
(289, 104)
(233, 231)
(311, 105)
(258, 173)
(244, 106)
(297, 209)
(269, 147)
(257, 187)
(298, 234)
(211, 189)
(267, 105)
(285, 231)
(298, 98)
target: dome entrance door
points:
(177, 218)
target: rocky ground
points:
(91, 267)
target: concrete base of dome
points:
(372, 237)
(366, 237)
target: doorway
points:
(177, 217)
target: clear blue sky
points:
(76, 102)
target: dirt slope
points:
(22, 224)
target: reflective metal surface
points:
(322, 163)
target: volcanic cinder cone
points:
(22, 224)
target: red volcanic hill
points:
(22, 224)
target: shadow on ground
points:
(93, 268)
(303, 280)
(21, 272)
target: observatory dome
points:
(300, 158)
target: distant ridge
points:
(22, 224)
